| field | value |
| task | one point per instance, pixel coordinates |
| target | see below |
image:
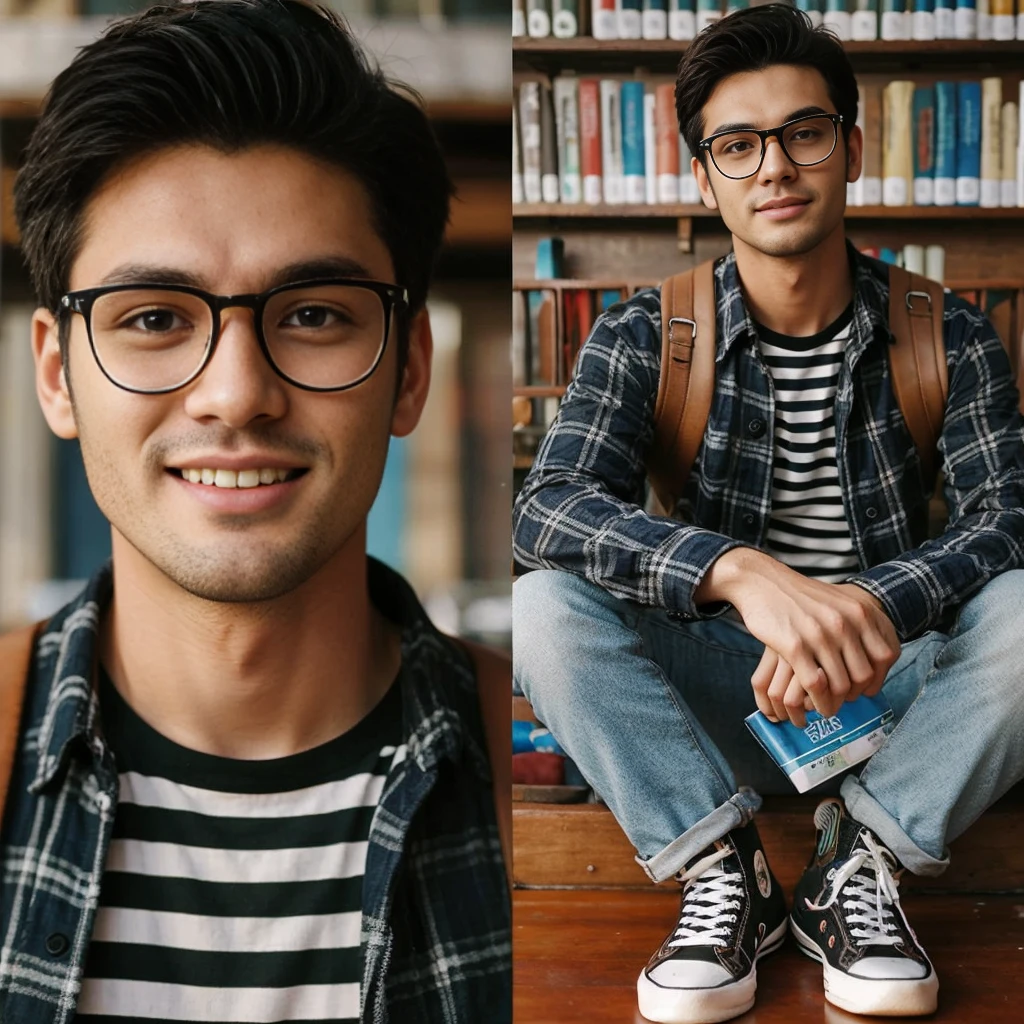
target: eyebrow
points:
(740, 126)
(303, 270)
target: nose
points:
(238, 385)
(776, 165)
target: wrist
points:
(728, 575)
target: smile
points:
(243, 478)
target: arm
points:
(983, 463)
(579, 510)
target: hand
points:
(779, 695)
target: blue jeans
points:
(651, 710)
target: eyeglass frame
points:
(394, 299)
(764, 134)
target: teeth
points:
(229, 478)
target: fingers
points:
(778, 689)
(760, 681)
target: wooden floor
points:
(577, 955)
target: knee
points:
(994, 611)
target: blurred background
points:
(442, 516)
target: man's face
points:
(815, 197)
(233, 224)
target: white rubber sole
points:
(704, 1005)
(876, 997)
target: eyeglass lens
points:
(322, 336)
(738, 154)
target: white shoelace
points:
(711, 898)
(866, 900)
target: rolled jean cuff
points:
(670, 860)
(862, 806)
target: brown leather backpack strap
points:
(917, 361)
(687, 381)
(16, 651)
(494, 684)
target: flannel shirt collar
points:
(434, 701)
(870, 303)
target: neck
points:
(251, 681)
(796, 295)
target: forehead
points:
(230, 220)
(764, 98)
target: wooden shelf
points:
(539, 391)
(655, 211)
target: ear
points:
(704, 184)
(412, 395)
(51, 380)
(855, 154)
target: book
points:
(565, 19)
(604, 22)
(1009, 140)
(682, 19)
(894, 21)
(871, 173)
(518, 18)
(897, 147)
(965, 23)
(529, 126)
(708, 12)
(1020, 147)
(549, 185)
(837, 18)
(1020, 24)
(520, 360)
(565, 89)
(654, 19)
(924, 145)
(945, 143)
(666, 129)
(814, 9)
(825, 746)
(611, 141)
(945, 19)
(518, 196)
(968, 143)
(538, 18)
(1004, 20)
(689, 193)
(913, 258)
(630, 18)
(650, 148)
(935, 263)
(991, 147)
(922, 25)
(633, 166)
(984, 19)
(590, 140)
(864, 20)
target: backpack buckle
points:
(682, 320)
(923, 295)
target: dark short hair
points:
(751, 40)
(231, 74)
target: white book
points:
(1004, 27)
(706, 18)
(650, 149)
(965, 23)
(518, 18)
(538, 19)
(913, 258)
(529, 124)
(611, 141)
(682, 25)
(566, 95)
(864, 26)
(1009, 139)
(1020, 148)
(518, 195)
(630, 22)
(654, 24)
(604, 23)
(923, 25)
(984, 19)
(894, 25)
(945, 23)
(1020, 24)
(935, 263)
(840, 23)
(991, 148)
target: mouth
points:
(779, 205)
(242, 479)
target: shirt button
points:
(755, 428)
(57, 944)
(871, 512)
(748, 519)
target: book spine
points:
(549, 186)
(923, 20)
(945, 143)
(1004, 20)
(945, 19)
(837, 18)
(518, 18)
(871, 173)
(1009, 140)
(604, 22)
(935, 263)
(538, 18)
(689, 193)
(968, 144)
(984, 19)
(611, 140)
(924, 145)
(814, 9)
(965, 25)
(1020, 22)
(708, 12)
(650, 148)
(897, 148)
(632, 94)
(855, 189)
(1020, 147)
(518, 195)
(529, 119)
(667, 151)
(894, 19)
(654, 24)
(682, 19)
(913, 258)
(630, 18)
(567, 123)
(590, 140)
(864, 21)
(565, 19)
(991, 147)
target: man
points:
(252, 782)
(803, 520)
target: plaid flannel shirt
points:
(580, 508)
(436, 923)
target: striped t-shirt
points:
(233, 889)
(807, 529)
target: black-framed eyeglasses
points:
(324, 335)
(806, 141)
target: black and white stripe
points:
(808, 530)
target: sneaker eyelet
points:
(822, 927)
(831, 942)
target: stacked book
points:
(599, 141)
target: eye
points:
(156, 321)
(737, 146)
(311, 316)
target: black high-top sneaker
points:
(732, 913)
(847, 914)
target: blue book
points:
(888, 256)
(825, 746)
(924, 145)
(968, 144)
(945, 143)
(609, 297)
(633, 166)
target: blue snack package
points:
(825, 746)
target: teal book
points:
(633, 162)
(945, 143)
(968, 144)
